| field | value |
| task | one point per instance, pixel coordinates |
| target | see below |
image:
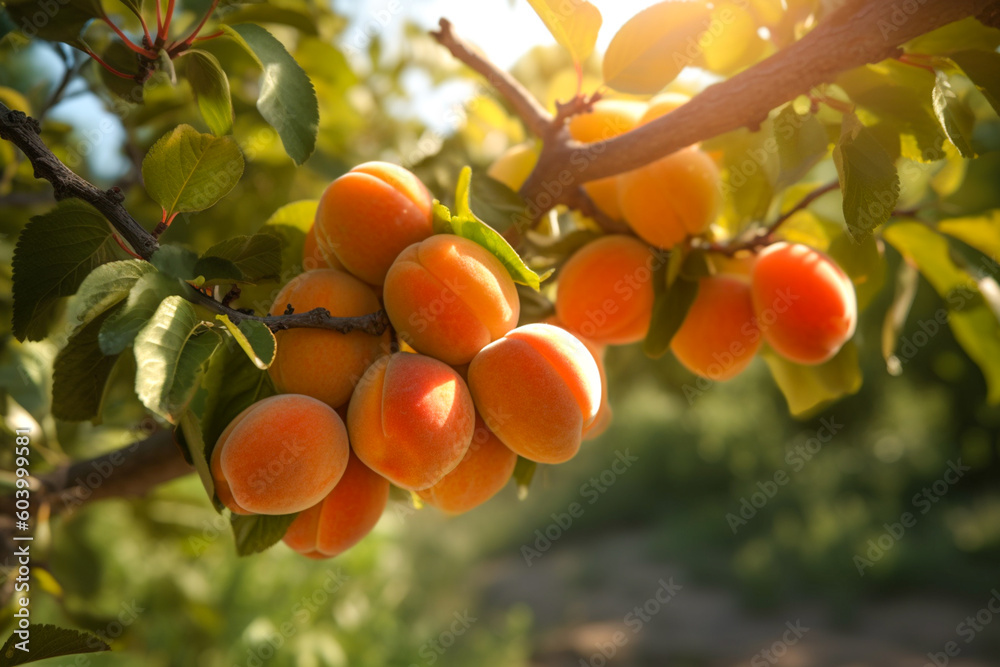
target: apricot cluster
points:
(441, 405)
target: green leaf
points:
(175, 261)
(971, 320)
(122, 58)
(864, 264)
(983, 69)
(289, 224)
(144, 298)
(106, 286)
(868, 179)
(982, 232)
(524, 472)
(301, 20)
(170, 352)
(802, 144)
(907, 280)
(468, 226)
(49, 641)
(969, 33)
(80, 373)
(257, 257)
(957, 120)
(134, 6)
(192, 443)
(211, 90)
(496, 204)
(231, 384)
(808, 388)
(670, 307)
(57, 23)
(254, 338)
(287, 99)
(258, 532)
(188, 171)
(54, 253)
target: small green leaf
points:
(524, 472)
(144, 298)
(299, 19)
(54, 253)
(670, 307)
(868, 179)
(231, 384)
(211, 90)
(973, 323)
(188, 171)
(122, 58)
(289, 224)
(190, 438)
(254, 338)
(49, 641)
(864, 264)
(957, 120)
(287, 99)
(808, 388)
(80, 373)
(106, 286)
(258, 532)
(467, 225)
(170, 352)
(134, 6)
(983, 69)
(175, 261)
(982, 232)
(496, 204)
(802, 144)
(60, 23)
(257, 257)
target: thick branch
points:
(24, 132)
(523, 102)
(871, 34)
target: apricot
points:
(448, 297)
(346, 515)
(608, 119)
(367, 216)
(663, 104)
(281, 455)
(319, 363)
(719, 336)
(411, 419)
(538, 387)
(485, 469)
(606, 290)
(314, 258)
(603, 419)
(514, 166)
(670, 199)
(804, 303)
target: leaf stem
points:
(189, 40)
(128, 42)
(106, 66)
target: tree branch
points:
(523, 102)
(24, 132)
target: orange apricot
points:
(804, 303)
(538, 387)
(281, 455)
(606, 290)
(663, 104)
(346, 515)
(319, 363)
(485, 469)
(719, 336)
(603, 419)
(448, 297)
(670, 199)
(313, 257)
(608, 119)
(367, 216)
(411, 419)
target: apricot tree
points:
(444, 334)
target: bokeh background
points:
(652, 570)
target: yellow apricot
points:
(514, 166)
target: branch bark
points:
(24, 132)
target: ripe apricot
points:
(514, 166)
(448, 297)
(346, 515)
(367, 216)
(538, 387)
(805, 304)
(314, 258)
(603, 419)
(670, 199)
(485, 469)
(411, 419)
(719, 336)
(606, 290)
(318, 363)
(608, 119)
(281, 455)
(663, 104)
